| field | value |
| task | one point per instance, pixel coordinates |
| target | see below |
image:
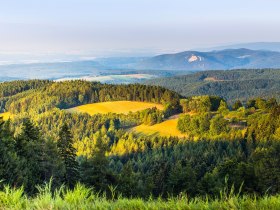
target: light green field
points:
(166, 128)
(119, 107)
(5, 115)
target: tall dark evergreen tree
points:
(29, 147)
(8, 157)
(68, 155)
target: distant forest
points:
(231, 85)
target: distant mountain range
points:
(214, 60)
(270, 46)
(174, 64)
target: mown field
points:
(119, 107)
(166, 128)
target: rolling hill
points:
(230, 85)
(213, 60)
(271, 46)
(118, 107)
(161, 65)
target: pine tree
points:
(68, 155)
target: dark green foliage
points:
(218, 125)
(152, 116)
(200, 104)
(231, 85)
(237, 104)
(37, 159)
(158, 166)
(102, 153)
(29, 149)
(8, 89)
(68, 155)
(8, 156)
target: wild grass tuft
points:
(82, 197)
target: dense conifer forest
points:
(231, 150)
(231, 85)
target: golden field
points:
(119, 107)
(166, 128)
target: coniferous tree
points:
(8, 158)
(68, 155)
(237, 105)
(95, 170)
(29, 147)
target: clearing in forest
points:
(119, 107)
(166, 128)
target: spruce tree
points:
(68, 155)
(29, 146)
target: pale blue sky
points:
(103, 27)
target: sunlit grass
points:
(119, 107)
(166, 128)
(85, 198)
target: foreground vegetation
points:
(84, 198)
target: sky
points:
(118, 27)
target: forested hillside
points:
(231, 85)
(224, 147)
(68, 94)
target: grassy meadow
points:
(118, 107)
(166, 128)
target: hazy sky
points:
(100, 27)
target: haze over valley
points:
(138, 69)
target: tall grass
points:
(85, 198)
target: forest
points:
(230, 155)
(231, 85)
